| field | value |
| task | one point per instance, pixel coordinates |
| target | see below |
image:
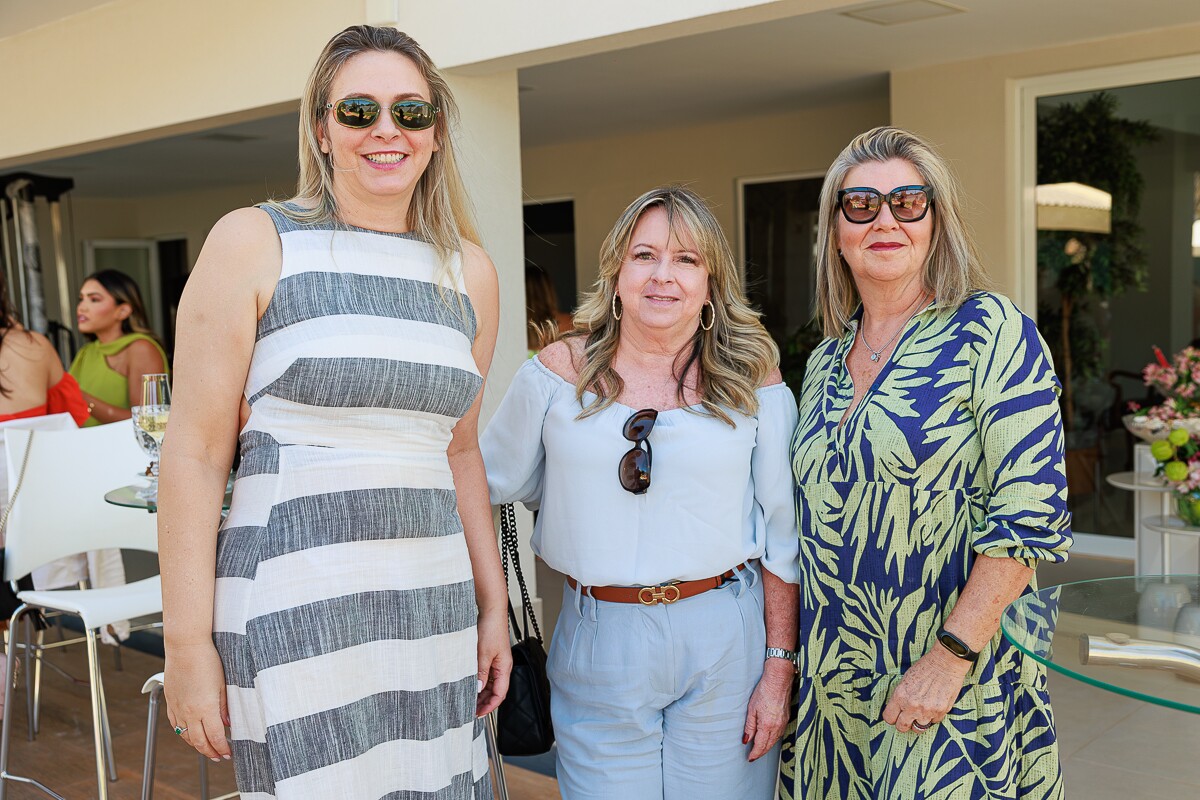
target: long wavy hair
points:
(953, 269)
(734, 357)
(440, 212)
(124, 291)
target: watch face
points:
(954, 646)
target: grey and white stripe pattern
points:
(345, 609)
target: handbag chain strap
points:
(508, 550)
(12, 501)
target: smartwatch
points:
(957, 647)
(787, 655)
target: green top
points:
(95, 377)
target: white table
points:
(1169, 525)
(1152, 551)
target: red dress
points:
(62, 396)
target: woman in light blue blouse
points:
(654, 442)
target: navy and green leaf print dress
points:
(955, 453)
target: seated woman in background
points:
(123, 347)
(541, 309)
(33, 382)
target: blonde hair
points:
(953, 269)
(734, 357)
(440, 211)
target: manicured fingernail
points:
(478, 686)
(216, 761)
(226, 757)
(745, 738)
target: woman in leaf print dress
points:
(929, 466)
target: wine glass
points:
(152, 417)
(150, 448)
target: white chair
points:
(59, 479)
(154, 688)
(33, 666)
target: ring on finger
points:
(922, 727)
(180, 731)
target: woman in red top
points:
(33, 382)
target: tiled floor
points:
(1117, 747)
(62, 756)
(1113, 748)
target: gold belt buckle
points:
(652, 595)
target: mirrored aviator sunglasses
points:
(361, 112)
(634, 468)
(861, 204)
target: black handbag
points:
(523, 726)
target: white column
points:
(489, 148)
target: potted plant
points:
(1087, 143)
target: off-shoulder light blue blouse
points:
(718, 495)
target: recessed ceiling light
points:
(901, 11)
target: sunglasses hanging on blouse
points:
(634, 467)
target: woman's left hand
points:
(767, 714)
(495, 662)
(927, 691)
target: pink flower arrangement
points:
(1178, 380)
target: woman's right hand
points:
(195, 690)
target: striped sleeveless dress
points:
(345, 608)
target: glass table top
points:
(1135, 636)
(1137, 482)
(128, 497)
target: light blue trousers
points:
(649, 702)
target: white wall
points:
(603, 176)
(221, 61)
(965, 108)
(489, 144)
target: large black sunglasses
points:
(634, 467)
(361, 112)
(862, 204)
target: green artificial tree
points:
(1088, 143)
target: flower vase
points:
(1187, 506)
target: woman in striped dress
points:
(348, 620)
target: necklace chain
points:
(862, 332)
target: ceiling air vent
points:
(219, 136)
(901, 11)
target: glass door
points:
(137, 258)
(1118, 271)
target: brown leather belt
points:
(653, 595)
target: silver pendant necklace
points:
(877, 354)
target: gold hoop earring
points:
(617, 316)
(712, 320)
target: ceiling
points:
(815, 59)
(18, 16)
(812, 60)
(262, 151)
